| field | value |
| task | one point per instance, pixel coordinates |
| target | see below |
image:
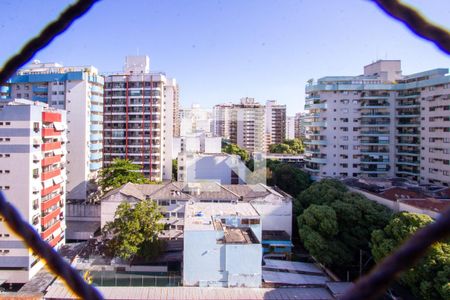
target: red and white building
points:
(33, 178)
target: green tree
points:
(290, 179)
(325, 191)
(430, 277)
(175, 169)
(134, 231)
(121, 171)
(235, 149)
(349, 220)
(294, 146)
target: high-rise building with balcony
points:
(380, 124)
(33, 178)
(300, 128)
(243, 124)
(138, 118)
(247, 125)
(275, 122)
(79, 91)
(221, 120)
(290, 128)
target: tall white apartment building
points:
(275, 122)
(290, 128)
(300, 128)
(243, 124)
(79, 91)
(221, 120)
(138, 118)
(380, 124)
(33, 178)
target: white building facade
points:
(275, 122)
(33, 178)
(222, 245)
(79, 91)
(380, 124)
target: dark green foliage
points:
(134, 231)
(121, 171)
(174, 169)
(294, 146)
(290, 179)
(430, 277)
(350, 220)
(235, 149)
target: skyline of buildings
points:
(380, 124)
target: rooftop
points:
(199, 215)
(59, 291)
(199, 192)
(237, 235)
(437, 205)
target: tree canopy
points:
(348, 221)
(134, 230)
(294, 146)
(290, 179)
(430, 277)
(235, 149)
(121, 171)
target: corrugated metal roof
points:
(59, 291)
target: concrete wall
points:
(275, 213)
(83, 212)
(243, 265)
(203, 259)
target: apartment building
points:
(300, 127)
(221, 120)
(196, 143)
(195, 120)
(138, 118)
(33, 178)
(380, 124)
(79, 91)
(243, 124)
(290, 128)
(275, 122)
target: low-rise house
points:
(273, 205)
(222, 245)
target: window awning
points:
(59, 126)
(47, 183)
(58, 179)
(37, 156)
(37, 141)
(57, 152)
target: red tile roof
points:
(395, 193)
(437, 205)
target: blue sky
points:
(224, 50)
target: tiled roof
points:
(206, 191)
(397, 193)
(437, 205)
